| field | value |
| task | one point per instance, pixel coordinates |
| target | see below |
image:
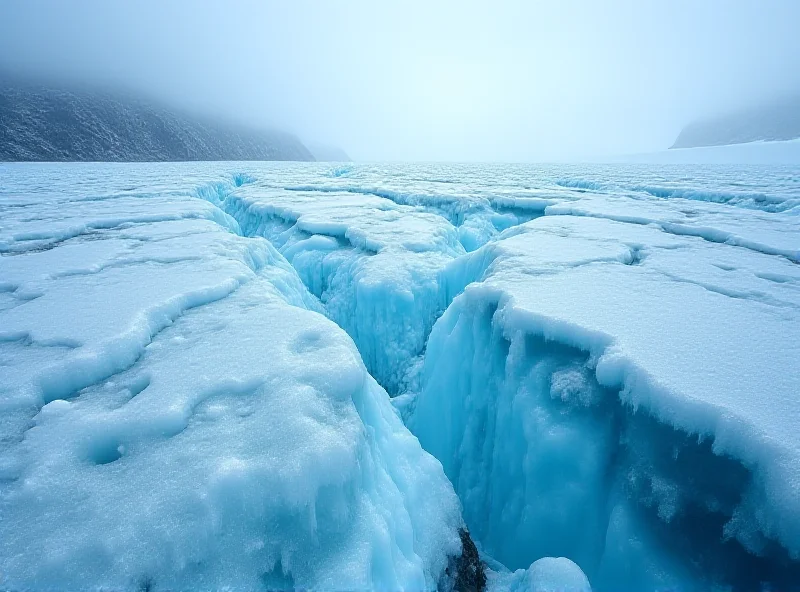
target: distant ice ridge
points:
(755, 201)
(772, 153)
(176, 415)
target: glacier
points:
(291, 375)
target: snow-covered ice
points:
(177, 414)
(596, 367)
(786, 152)
(548, 574)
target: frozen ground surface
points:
(593, 368)
(783, 152)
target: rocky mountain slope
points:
(47, 124)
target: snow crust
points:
(548, 574)
(177, 414)
(601, 359)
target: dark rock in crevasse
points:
(467, 573)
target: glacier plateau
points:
(592, 368)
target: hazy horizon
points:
(514, 81)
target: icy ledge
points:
(625, 398)
(288, 474)
(177, 415)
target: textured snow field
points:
(283, 375)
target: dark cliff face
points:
(775, 121)
(44, 124)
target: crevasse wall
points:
(547, 462)
(177, 415)
(545, 459)
(386, 299)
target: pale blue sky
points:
(425, 80)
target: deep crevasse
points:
(387, 296)
(632, 504)
(376, 273)
(579, 477)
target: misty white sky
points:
(426, 80)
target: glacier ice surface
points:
(599, 362)
(177, 414)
